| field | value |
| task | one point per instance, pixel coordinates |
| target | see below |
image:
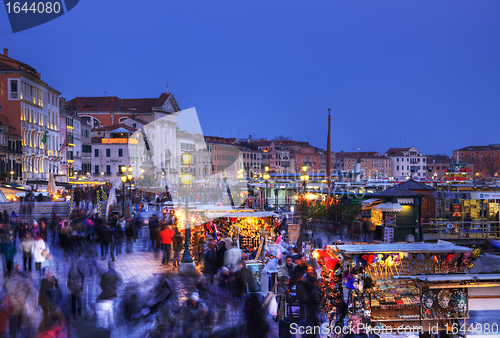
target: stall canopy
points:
(440, 247)
(242, 214)
(370, 201)
(454, 278)
(389, 207)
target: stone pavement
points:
(139, 271)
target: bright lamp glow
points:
(124, 179)
(304, 168)
(129, 176)
(266, 168)
(186, 158)
(123, 169)
(130, 169)
(186, 179)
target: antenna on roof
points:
(167, 89)
(104, 94)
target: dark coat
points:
(210, 263)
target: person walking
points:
(40, 253)
(27, 247)
(129, 233)
(166, 236)
(49, 297)
(118, 237)
(232, 257)
(210, 263)
(9, 251)
(104, 239)
(177, 245)
(76, 279)
(110, 281)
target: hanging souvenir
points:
(459, 301)
(428, 300)
(444, 297)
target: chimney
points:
(249, 137)
(5, 52)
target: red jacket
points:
(166, 236)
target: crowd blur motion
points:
(60, 277)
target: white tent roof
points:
(389, 207)
(440, 247)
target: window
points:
(407, 159)
(13, 89)
(86, 148)
(96, 152)
(397, 159)
(438, 167)
(108, 152)
(407, 168)
(96, 169)
(120, 152)
(134, 125)
(397, 167)
(108, 170)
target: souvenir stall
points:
(253, 231)
(420, 285)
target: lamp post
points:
(304, 177)
(130, 177)
(266, 178)
(11, 175)
(124, 179)
(186, 179)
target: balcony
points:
(14, 96)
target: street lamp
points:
(124, 179)
(186, 178)
(11, 175)
(304, 177)
(266, 178)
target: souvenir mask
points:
(444, 298)
(428, 299)
(367, 313)
(458, 300)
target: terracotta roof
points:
(396, 151)
(431, 159)
(113, 103)
(114, 127)
(479, 148)
(7, 68)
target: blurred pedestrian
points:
(177, 246)
(9, 251)
(76, 279)
(40, 253)
(27, 247)
(166, 236)
(129, 233)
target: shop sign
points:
(452, 195)
(484, 195)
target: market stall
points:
(420, 285)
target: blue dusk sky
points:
(394, 72)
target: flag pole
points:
(328, 155)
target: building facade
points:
(407, 162)
(484, 159)
(372, 163)
(30, 107)
(155, 119)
